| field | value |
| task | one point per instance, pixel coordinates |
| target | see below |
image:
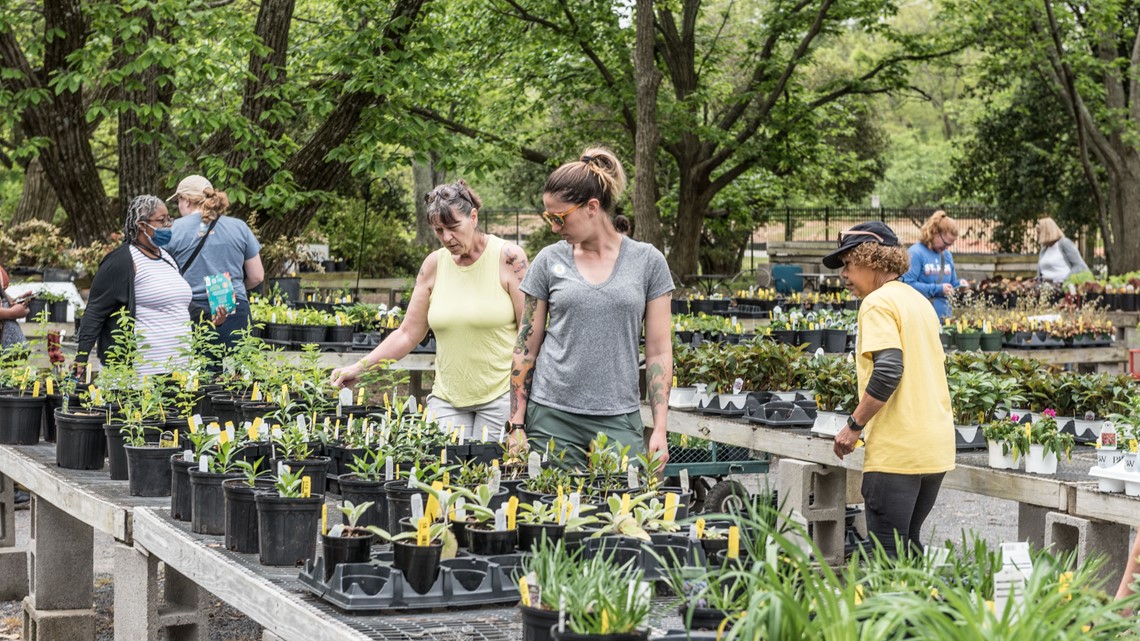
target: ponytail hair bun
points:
(596, 174)
(214, 204)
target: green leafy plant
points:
(352, 514)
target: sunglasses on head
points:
(845, 234)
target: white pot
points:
(1037, 462)
(1108, 458)
(1111, 485)
(1000, 461)
(828, 423)
(683, 397)
(1087, 429)
(1132, 488)
(968, 433)
(1130, 461)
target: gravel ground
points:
(995, 520)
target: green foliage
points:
(386, 226)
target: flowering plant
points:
(1044, 432)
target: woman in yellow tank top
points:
(467, 292)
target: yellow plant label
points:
(360, 396)
(223, 437)
(700, 524)
(50, 387)
(256, 395)
(306, 487)
(625, 461)
(734, 542)
(443, 456)
(423, 532)
(512, 511)
(284, 394)
(176, 433)
(670, 507)
(605, 620)
(431, 510)
(524, 591)
(624, 504)
(494, 464)
(324, 518)
(447, 479)
(192, 425)
(36, 389)
(255, 428)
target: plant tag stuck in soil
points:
(501, 518)
(575, 504)
(336, 530)
(533, 464)
(188, 456)
(417, 507)
(204, 463)
(496, 479)
(631, 473)
(389, 469)
(684, 481)
(460, 509)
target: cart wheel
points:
(701, 486)
(725, 496)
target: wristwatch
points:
(510, 427)
(852, 425)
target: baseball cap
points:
(872, 232)
(193, 185)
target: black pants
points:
(899, 504)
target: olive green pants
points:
(571, 433)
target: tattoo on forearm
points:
(658, 386)
(521, 379)
(526, 328)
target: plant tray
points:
(683, 398)
(1089, 341)
(649, 555)
(780, 413)
(1084, 432)
(1032, 340)
(724, 404)
(969, 437)
(371, 587)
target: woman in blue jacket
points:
(931, 264)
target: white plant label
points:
(575, 504)
(230, 433)
(411, 405)
(301, 423)
(533, 464)
(336, 530)
(214, 429)
(684, 481)
(777, 310)
(344, 397)
(276, 433)
(188, 456)
(562, 614)
(195, 422)
(460, 508)
(417, 507)
(501, 518)
(412, 478)
(462, 436)
(631, 472)
(737, 385)
(693, 531)
(204, 463)
(496, 479)
(282, 468)
(389, 469)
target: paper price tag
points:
(306, 487)
(734, 542)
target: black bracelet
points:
(852, 425)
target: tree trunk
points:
(648, 137)
(684, 257)
(425, 177)
(139, 164)
(1124, 214)
(37, 200)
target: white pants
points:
(472, 420)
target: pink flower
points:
(1051, 413)
(1015, 418)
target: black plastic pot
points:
(252, 410)
(36, 306)
(54, 402)
(339, 334)
(57, 311)
(357, 491)
(287, 528)
(400, 502)
(531, 533)
(812, 338)
(345, 549)
(308, 334)
(80, 443)
(180, 505)
(316, 469)
(241, 513)
(116, 455)
(571, 636)
(224, 404)
(536, 622)
(485, 542)
(208, 501)
(575, 540)
(834, 341)
(21, 419)
(419, 563)
(528, 496)
(702, 618)
(786, 336)
(149, 470)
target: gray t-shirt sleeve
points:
(537, 280)
(252, 246)
(659, 281)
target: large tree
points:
(740, 95)
(1088, 54)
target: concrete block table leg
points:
(141, 614)
(1031, 524)
(1090, 538)
(61, 592)
(817, 494)
(13, 561)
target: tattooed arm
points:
(512, 269)
(532, 330)
(658, 369)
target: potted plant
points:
(835, 392)
(241, 506)
(549, 570)
(346, 543)
(148, 464)
(365, 484)
(973, 397)
(1043, 443)
(610, 601)
(22, 409)
(288, 520)
(80, 443)
(295, 448)
(1000, 437)
(216, 465)
(418, 554)
(491, 531)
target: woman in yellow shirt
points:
(467, 292)
(904, 414)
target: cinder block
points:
(7, 513)
(1031, 524)
(1089, 539)
(139, 612)
(57, 625)
(61, 570)
(13, 574)
(829, 537)
(817, 492)
(266, 635)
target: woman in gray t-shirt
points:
(576, 362)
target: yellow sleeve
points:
(879, 329)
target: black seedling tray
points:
(978, 443)
(359, 588)
(714, 406)
(780, 413)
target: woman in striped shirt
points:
(142, 278)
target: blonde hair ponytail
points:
(596, 174)
(214, 203)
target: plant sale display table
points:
(1070, 492)
(68, 505)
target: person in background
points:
(206, 242)
(10, 311)
(467, 292)
(1059, 257)
(588, 297)
(932, 270)
(141, 277)
(904, 414)
(623, 225)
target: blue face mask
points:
(162, 236)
